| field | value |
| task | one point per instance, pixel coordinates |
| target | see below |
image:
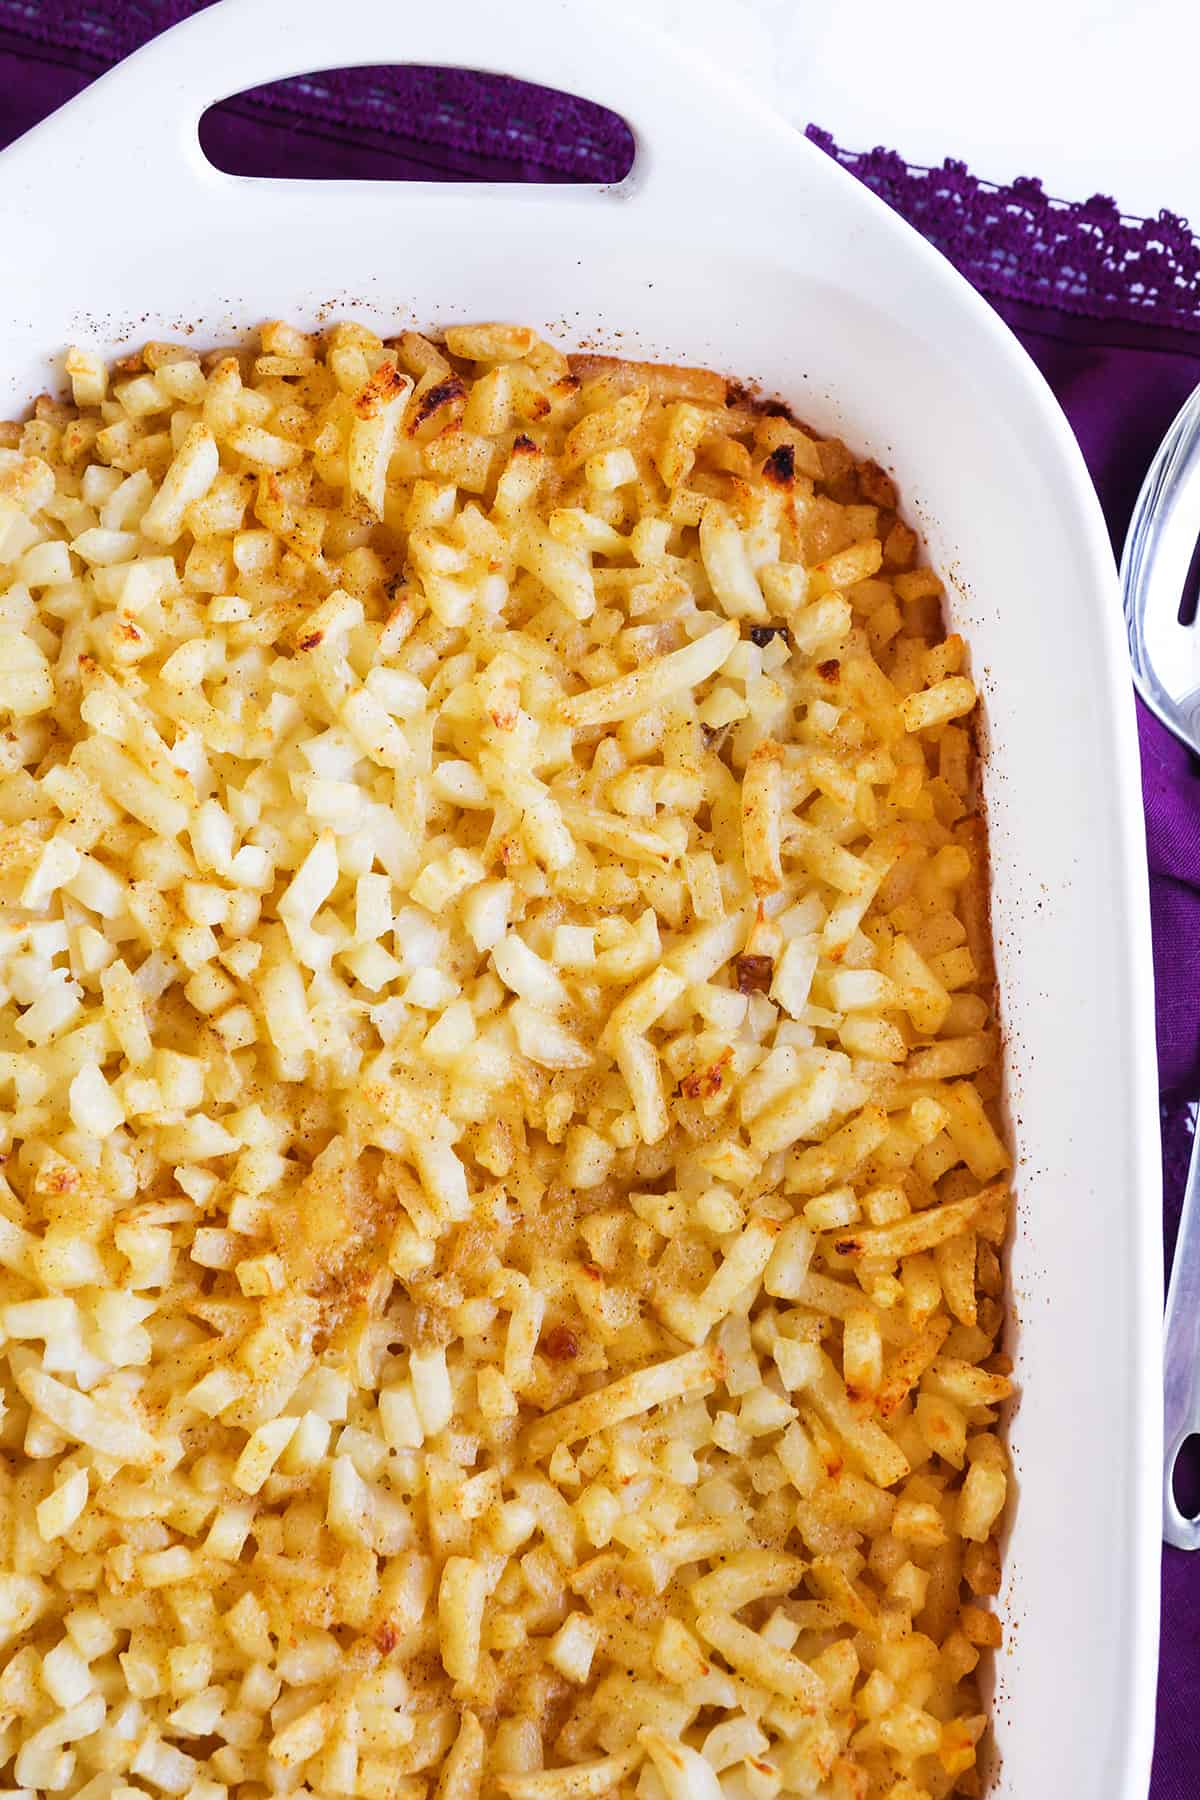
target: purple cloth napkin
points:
(1109, 308)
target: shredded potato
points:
(502, 1173)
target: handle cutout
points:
(1185, 1477)
(412, 122)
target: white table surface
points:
(1090, 95)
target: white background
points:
(1090, 95)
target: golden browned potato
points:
(502, 1180)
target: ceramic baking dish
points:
(735, 243)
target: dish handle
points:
(137, 125)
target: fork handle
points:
(1181, 1357)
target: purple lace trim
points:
(1016, 242)
(102, 34)
(492, 116)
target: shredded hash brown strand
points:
(502, 1187)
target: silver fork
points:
(1165, 653)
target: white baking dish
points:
(735, 243)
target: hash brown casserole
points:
(502, 1185)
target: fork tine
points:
(1189, 599)
(1160, 575)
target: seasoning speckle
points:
(754, 974)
